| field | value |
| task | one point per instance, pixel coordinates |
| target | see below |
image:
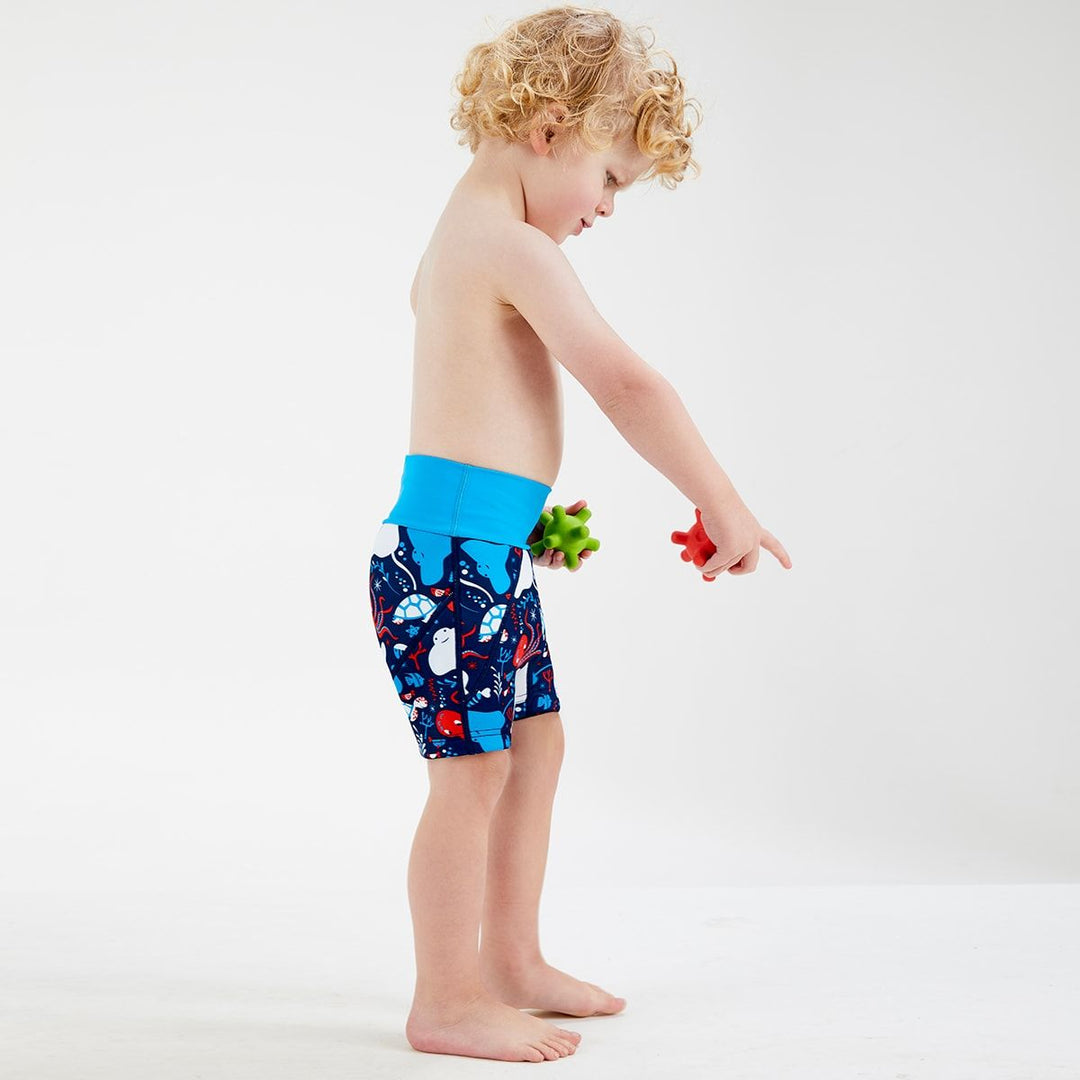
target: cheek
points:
(568, 203)
(567, 209)
(584, 199)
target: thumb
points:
(714, 567)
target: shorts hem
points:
(556, 707)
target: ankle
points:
(511, 959)
(435, 1002)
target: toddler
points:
(561, 111)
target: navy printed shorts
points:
(458, 617)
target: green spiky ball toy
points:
(567, 533)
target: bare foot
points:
(544, 987)
(488, 1028)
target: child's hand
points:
(552, 557)
(737, 535)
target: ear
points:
(546, 130)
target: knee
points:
(539, 742)
(479, 776)
(490, 772)
(492, 767)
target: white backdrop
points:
(211, 214)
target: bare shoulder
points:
(498, 254)
(465, 253)
(522, 257)
(492, 248)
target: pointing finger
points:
(771, 544)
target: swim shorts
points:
(455, 607)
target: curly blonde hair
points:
(586, 73)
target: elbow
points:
(642, 384)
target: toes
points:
(573, 1036)
(613, 1003)
(559, 1046)
(533, 1053)
(550, 1052)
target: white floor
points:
(896, 983)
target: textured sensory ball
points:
(567, 533)
(697, 547)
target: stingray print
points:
(429, 551)
(490, 560)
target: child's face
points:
(563, 188)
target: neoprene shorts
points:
(455, 607)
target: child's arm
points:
(415, 287)
(534, 275)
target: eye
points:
(613, 180)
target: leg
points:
(511, 963)
(452, 1012)
(446, 874)
(518, 843)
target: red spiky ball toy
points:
(697, 547)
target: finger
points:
(538, 528)
(748, 563)
(715, 569)
(771, 544)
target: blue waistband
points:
(445, 496)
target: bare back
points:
(486, 390)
